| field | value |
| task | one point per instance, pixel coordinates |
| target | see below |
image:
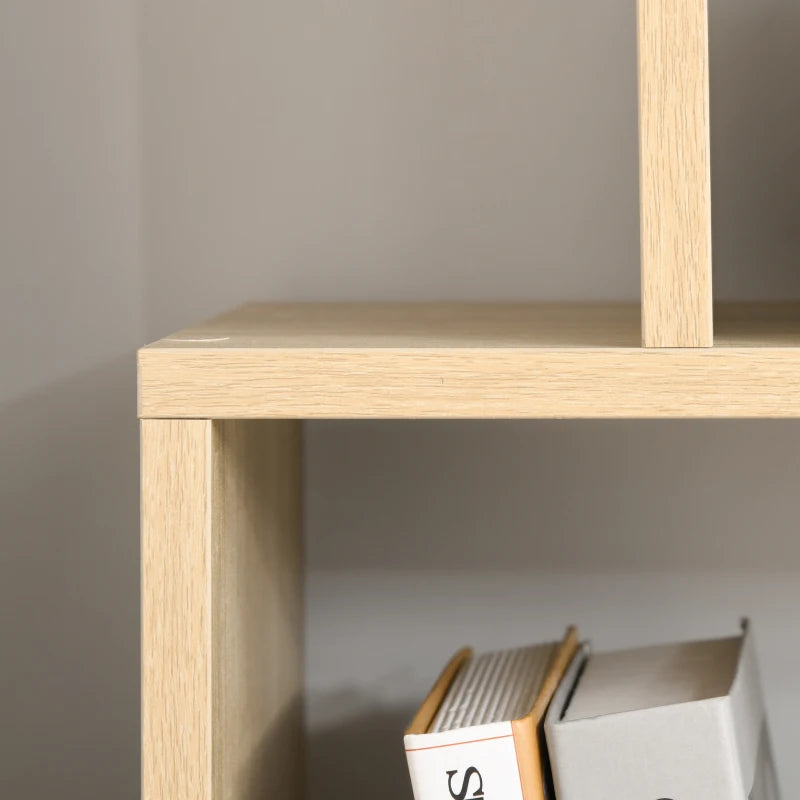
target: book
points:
(681, 721)
(478, 734)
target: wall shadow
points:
(755, 130)
(576, 496)
(360, 755)
(69, 588)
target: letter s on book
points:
(462, 795)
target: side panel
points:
(222, 621)
(257, 629)
(176, 610)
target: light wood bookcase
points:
(222, 406)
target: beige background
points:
(163, 159)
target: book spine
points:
(481, 765)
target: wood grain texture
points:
(222, 620)
(176, 610)
(258, 623)
(412, 361)
(329, 326)
(675, 173)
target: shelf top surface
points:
(326, 326)
(469, 360)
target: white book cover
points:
(464, 763)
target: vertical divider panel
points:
(675, 173)
(222, 610)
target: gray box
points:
(661, 744)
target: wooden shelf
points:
(222, 565)
(469, 360)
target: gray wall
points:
(370, 150)
(70, 318)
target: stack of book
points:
(554, 721)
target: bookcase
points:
(222, 406)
